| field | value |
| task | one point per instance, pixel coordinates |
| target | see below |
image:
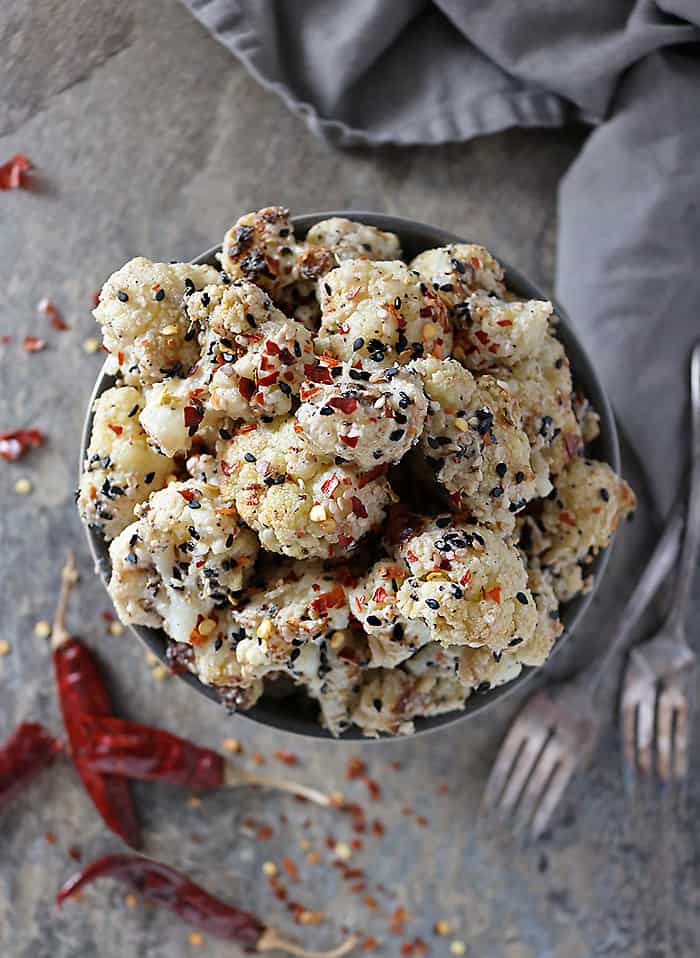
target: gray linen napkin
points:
(409, 71)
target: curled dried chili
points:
(82, 691)
(15, 443)
(27, 751)
(121, 747)
(162, 885)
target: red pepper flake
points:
(75, 853)
(117, 430)
(329, 486)
(482, 336)
(287, 758)
(14, 444)
(356, 843)
(358, 507)
(377, 828)
(345, 539)
(246, 387)
(505, 322)
(350, 441)
(355, 768)
(442, 788)
(366, 477)
(396, 765)
(375, 792)
(257, 759)
(187, 494)
(466, 578)
(264, 833)
(4, 340)
(379, 594)
(421, 820)
(369, 902)
(193, 416)
(271, 348)
(318, 374)
(347, 405)
(370, 944)
(493, 594)
(358, 888)
(33, 344)
(290, 868)
(330, 841)
(268, 380)
(494, 347)
(46, 307)
(567, 518)
(335, 599)
(13, 172)
(107, 615)
(96, 299)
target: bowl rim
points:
(269, 713)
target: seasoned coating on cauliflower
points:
(542, 386)
(581, 515)
(348, 239)
(120, 468)
(391, 698)
(340, 664)
(392, 637)
(255, 358)
(536, 650)
(261, 248)
(492, 332)
(213, 661)
(299, 605)
(297, 502)
(380, 314)
(183, 560)
(176, 411)
(372, 423)
(145, 324)
(458, 270)
(468, 585)
(475, 444)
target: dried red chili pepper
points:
(27, 751)
(14, 444)
(81, 691)
(162, 885)
(13, 172)
(121, 747)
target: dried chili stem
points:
(69, 578)
(270, 940)
(234, 776)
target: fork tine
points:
(671, 700)
(507, 756)
(550, 799)
(538, 782)
(645, 732)
(629, 740)
(523, 767)
(680, 745)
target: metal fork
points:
(558, 728)
(656, 699)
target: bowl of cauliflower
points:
(347, 474)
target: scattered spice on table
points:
(14, 444)
(13, 173)
(162, 885)
(47, 308)
(28, 751)
(33, 344)
(121, 747)
(81, 692)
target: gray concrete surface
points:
(149, 139)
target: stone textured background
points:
(149, 139)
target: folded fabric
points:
(408, 71)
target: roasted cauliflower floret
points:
(380, 314)
(300, 504)
(468, 585)
(458, 270)
(474, 442)
(372, 423)
(120, 468)
(347, 239)
(145, 324)
(492, 332)
(261, 248)
(182, 562)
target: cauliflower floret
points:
(391, 698)
(491, 332)
(580, 517)
(474, 442)
(392, 637)
(213, 661)
(542, 386)
(145, 325)
(458, 270)
(370, 423)
(176, 411)
(378, 314)
(120, 468)
(261, 248)
(297, 502)
(467, 585)
(333, 673)
(347, 239)
(181, 562)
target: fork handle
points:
(688, 561)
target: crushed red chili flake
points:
(287, 758)
(358, 507)
(355, 768)
(318, 374)
(15, 443)
(290, 868)
(4, 340)
(566, 518)
(366, 477)
(377, 828)
(359, 887)
(369, 902)
(442, 788)
(193, 417)
(75, 853)
(396, 765)
(330, 841)
(493, 594)
(33, 344)
(50, 837)
(13, 173)
(187, 494)
(505, 322)
(335, 599)
(482, 336)
(375, 792)
(257, 758)
(347, 405)
(46, 307)
(370, 944)
(356, 843)
(421, 820)
(107, 615)
(246, 387)
(350, 441)
(264, 833)
(117, 430)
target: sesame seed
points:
(458, 948)
(23, 487)
(231, 745)
(501, 469)
(432, 603)
(269, 868)
(91, 345)
(396, 435)
(249, 457)
(605, 495)
(122, 296)
(519, 476)
(160, 295)
(4, 647)
(359, 343)
(521, 597)
(42, 629)
(264, 629)
(116, 628)
(285, 387)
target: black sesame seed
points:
(501, 469)
(250, 319)
(149, 477)
(519, 476)
(446, 288)
(484, 687)
(605, 495)
(397, 303)
(359, 343)
(230, 538)
(373, 620)
(122, 296)
(397, 632)
(378, 704)
(521, 597)
(513, 642)
(224, 433)
(195, 504)
(189, 287)
(432, 603)
(497, 492)
(339, 461)
(326, 411)
(134, 410)
(460, 267)
(377, 454)
(285, 388)
(160, 295)
(396, 435)
(443, 522)
(249, 457)
(217, 644)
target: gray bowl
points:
(295, 713)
